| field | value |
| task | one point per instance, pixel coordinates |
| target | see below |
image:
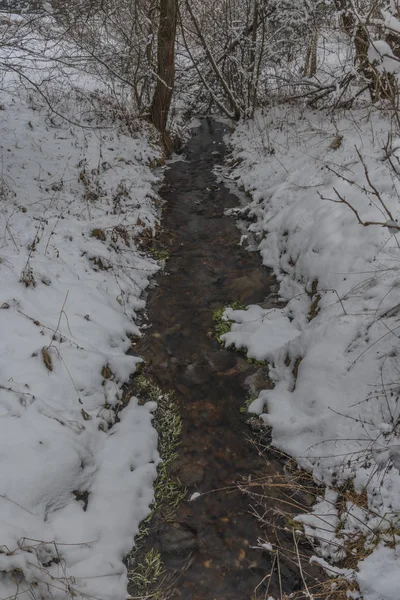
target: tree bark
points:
(166, 64)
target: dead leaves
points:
(47, 358)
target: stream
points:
(210, 545)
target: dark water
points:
(209, 544)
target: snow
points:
(381, 52)
(337, 412)
(76, 463)
(194, 496)
(379, 573)
(259, 331)
(390, 21)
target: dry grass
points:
(315, 298)
(106, 372)
(295, 371)
(145, 238)
(295, 368)
(347, 493)
(27, 277)
(278, 497)
(100, 263)
(47, 358)
(121, 233)
(99, 234)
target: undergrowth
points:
(160, 254)
(248, 400)
(221, 324)
(283, 500)
(145, 568)
(149, 571)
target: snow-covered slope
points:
(76, 464)
(335, 406)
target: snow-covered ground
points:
(334, 349)
(76, 463)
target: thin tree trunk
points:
(310, 64)
(166, 64)
(252, 61)
(259, 68)
(213, 96)
(229, 93)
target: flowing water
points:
(210, 543)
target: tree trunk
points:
(166, 64)
(251, 90)
(310, 64)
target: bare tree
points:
(241, 50)
(166, 64)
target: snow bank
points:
(259, 331)
(76, 463)
(334, 355)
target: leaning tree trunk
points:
(166, 64)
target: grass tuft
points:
(106, 372)
(27, 277)
(145, 567)
(160, 254)
(222, 325)
(147, 572)
(249, 400)
(99, 234)
(47, 358)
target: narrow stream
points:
(211, 542)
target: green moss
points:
(250, 398)
(167, 420)
(147, 573)
(145, 567)
(221, 325)
(160, 254)
(339, 528)
(292, 524)
(258, 363)
(168, 492)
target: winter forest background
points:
(95, 97)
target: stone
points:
(177, 541)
